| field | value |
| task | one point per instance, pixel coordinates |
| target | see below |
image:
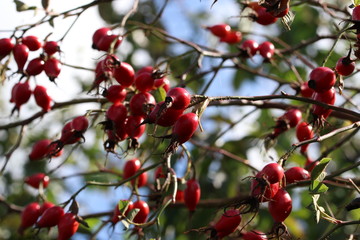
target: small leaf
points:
(20, 6)
(132, 214)
(317, 187)
(318, 215)
(319, 169)
(126, 224)
(51, 22)
(159, 94)
(45, 4)
(123, 205)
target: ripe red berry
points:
(266, 49)
(163, 117)
(80, 124)
(32, 42)
(130, 169)
(21, 54)
(67, 226)
(45, 206)
(42, 99)
(22, 94)
(292, 117)
(345, 66)
(263, 190)
(273, 172)
(263, 17)
(232, 37)
(109, 63)
(36, 179)
(327, 97)
(146, 69)
(356, 13)
(69, 135)
(124, 74)
(6, 46)
(52, 68)
(117, 113)
(162, 82)
(306, 91)
(107, 41)
(322, 79)
(185, 127)
(40, 149)
(179, 196)
(304, 132)
(35, 67)
(51, 217)
(295, 174)
(115, 94)
(29, 216)
(178, 98)
(134, 128)
(228, 223)
(117, 214)
(144, 82)
(250, 47)
(51, 47)
(143, 213)
(98, 34)
(141, 104)
(219, 30)
(280, 206)
(192, 194)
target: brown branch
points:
(55, 106)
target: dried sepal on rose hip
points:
(71, 133)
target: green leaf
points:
(319, 170)
(126, 224)
(317, 176)
(159, 94)
(318, 187)
(132, 214)
(20, 6)
(356, 2)
(51, 22)
(123, 205)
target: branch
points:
(55, 106)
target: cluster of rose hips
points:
(249, 48)
(20, 50)
(133, 104)
(46, 61)
(267, 186)
(132, 107)
(265, 16)
(225, 33)
(229, 222)
(21, 93)
(304, 131)
(48, 215)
